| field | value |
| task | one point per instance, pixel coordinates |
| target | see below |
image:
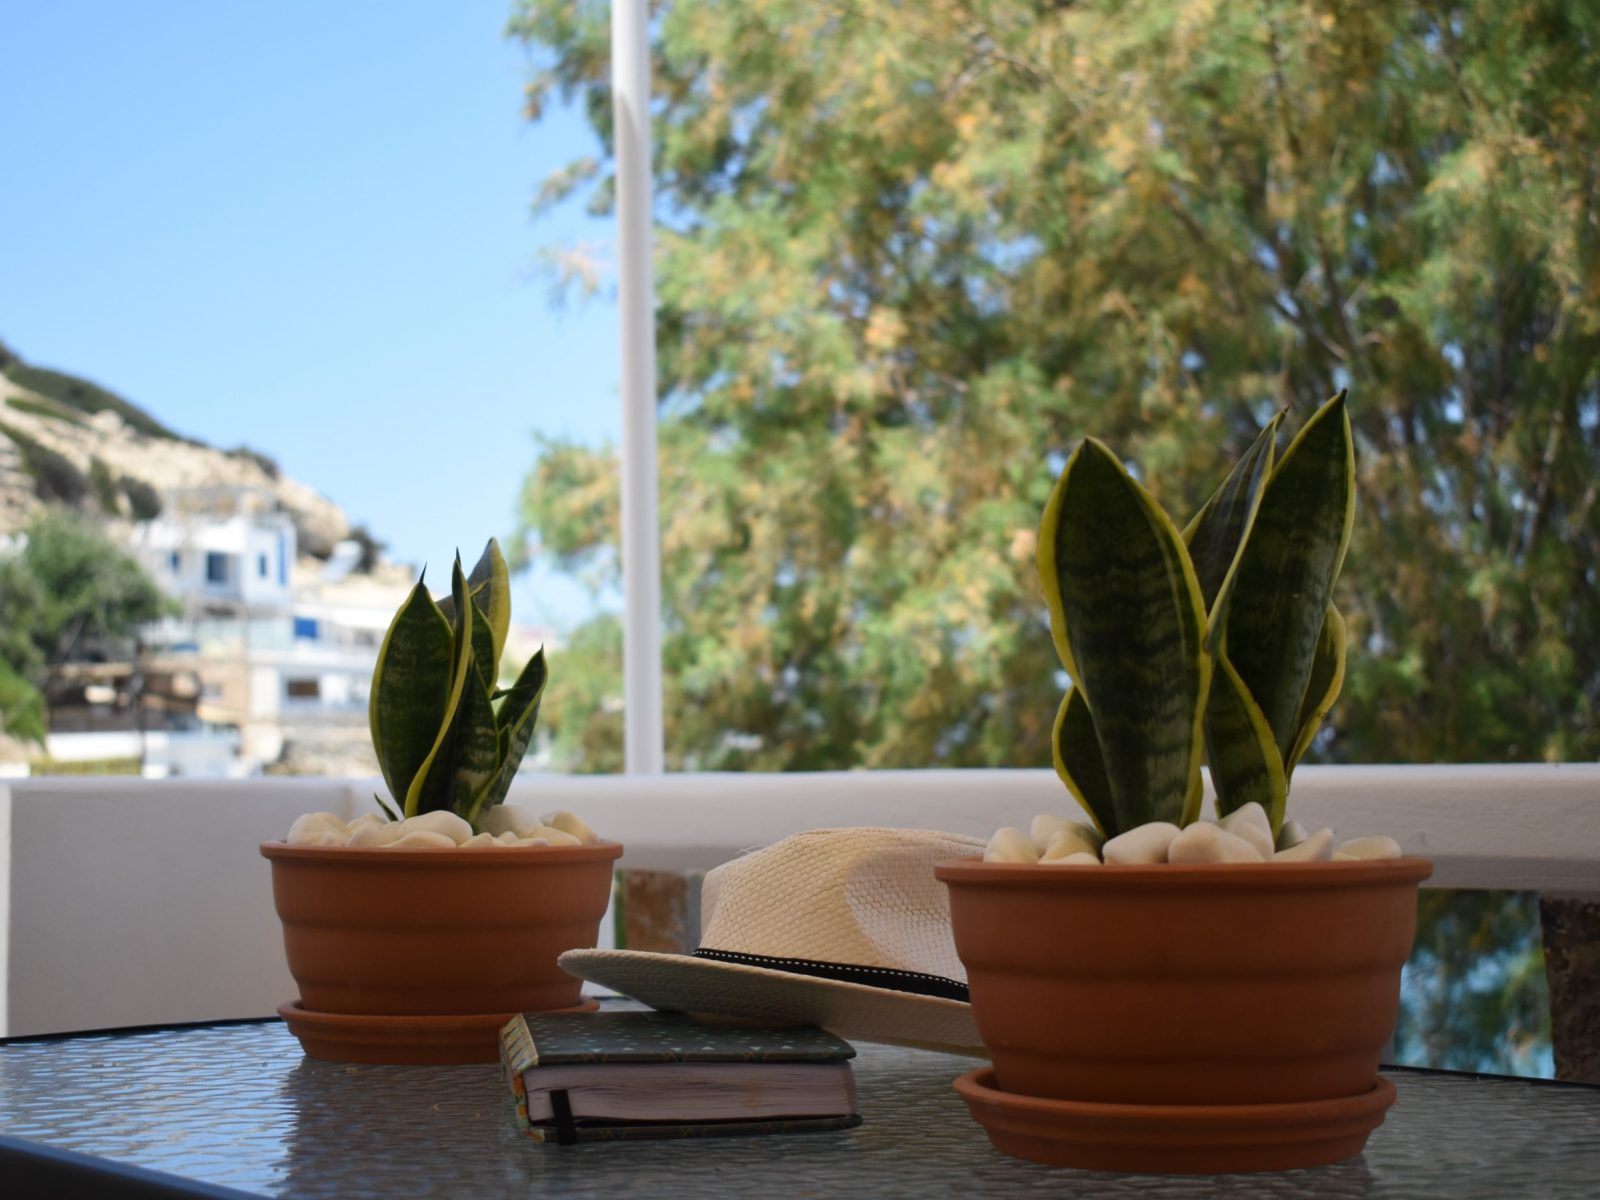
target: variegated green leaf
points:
(1285, 575)
(1222, 526)
(1045, 554)
(410, 690)
(517, 717)
(476, 746)
(1327, 677)
(1245, 764)
(431, 787)
(490, 586)
(1078, 762)
(483, 652)
(1128, 607)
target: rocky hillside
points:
(64, 440)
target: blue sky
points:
(305, 227)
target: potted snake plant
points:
(1208, 996)
(416, 931)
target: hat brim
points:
(682, 983)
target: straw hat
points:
(846, 929)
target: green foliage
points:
(54, 475)
(81, 396)
(911, 254)
(44, 408)
(266, 462)
(69, 591)
(1475, 996)
(144, 502)
(445, 737)
(104, 486)
(22, 712)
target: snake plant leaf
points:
(410, 690)
(1245, 763)
(490, 587)
(1128, 607)
(1327, 677)
(431, 787)
(476, 746)
(1286, 572)
(517, 717)
(1045, 554)
(1221, 528)
(1078, 762)
(483, 651)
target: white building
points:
(284, 647)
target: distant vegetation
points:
(74, 396)
(54, 476)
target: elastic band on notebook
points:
(561, 1110)
(914, 982)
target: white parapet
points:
(141, 902)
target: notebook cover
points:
(655, 1037)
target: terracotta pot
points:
(1221, 984)
(383, 932)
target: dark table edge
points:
(31, 1169)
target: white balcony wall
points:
(129, 902)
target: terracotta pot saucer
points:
(1174, 1139)
(409, 1040)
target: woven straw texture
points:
(865, 897)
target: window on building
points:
(262, 565)
(174, 561)
(216, 567)
(308, 628)
(304, 689)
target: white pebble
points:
(1341, 856)
(1316, 848)
(480, 841)
(1204, 842)
(1292, 834)
(1371, 847)
(317, 829)
(1252, 824)
(508, 838)
(423, 839)
(440, 821)
(552, 836)
(1010, 845)
(1141, 844)
(571, 823)
(375, 833)
(508, 818)
(1046, 828)
(1081, 859)
(1067, 842)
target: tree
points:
(67, 593)
(910, 254)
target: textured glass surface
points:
(239, 1105)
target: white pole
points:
(641, 528)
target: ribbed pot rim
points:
(1262, 876)
(383, 857)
